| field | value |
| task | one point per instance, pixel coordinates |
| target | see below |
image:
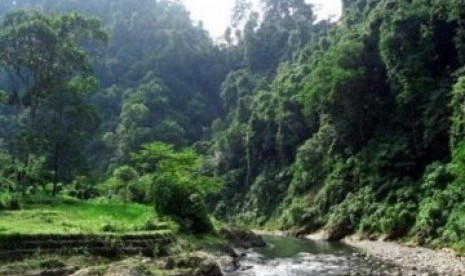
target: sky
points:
(215, 14)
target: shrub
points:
(125, 177)
(369, 223)
(176, 184)
(430, 218)
(153, 224)
(454, 230)
(109, 227)
(397, 220)
(13, 204)
(293, 214)
(298, 214)
(437, 177)
(345, 217)
(80, 188)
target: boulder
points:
(207, 267)
(241, 238)
(128, 267)
(337, 232)
(198, 264)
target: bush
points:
(397, 220)
(292, 216)
(299, 215)
(110, 227)
(187, 209)
(80, 188)
(435, 211)
(13, 204)
(431, 217)
(454, 230)
(176, 184)
(345, 217)
(4, 199)
(153, 224)
(369, 223)
(125, 177)
(137, 191)
(437, 177)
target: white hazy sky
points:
(215, 14)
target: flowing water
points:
(287, 256)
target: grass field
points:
(75, 217)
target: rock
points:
(126, 271)
(128, 267)
(197, 264)
(166, 263)
(87, 272)
(64, 271)
(247, 267)
(337, 232)
(241, 238)
(302, 232)
(207, 268)
(192, 264)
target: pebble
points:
(416, 261)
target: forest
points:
(287, 123)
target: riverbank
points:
(110, 254)
(415, 260)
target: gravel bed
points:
(415, 260)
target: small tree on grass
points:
(178, 188)
(125, 176)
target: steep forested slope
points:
(361, 132)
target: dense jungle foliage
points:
(351, 126)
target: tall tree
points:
(47, 55)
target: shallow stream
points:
(287, 256)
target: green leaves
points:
(178, 186)
(458, 117)
(49, 77)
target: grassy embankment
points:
(67, 216)
(70, 226)
(65, 233)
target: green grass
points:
(72, 217)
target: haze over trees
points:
(352, 126)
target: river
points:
(288, 256)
